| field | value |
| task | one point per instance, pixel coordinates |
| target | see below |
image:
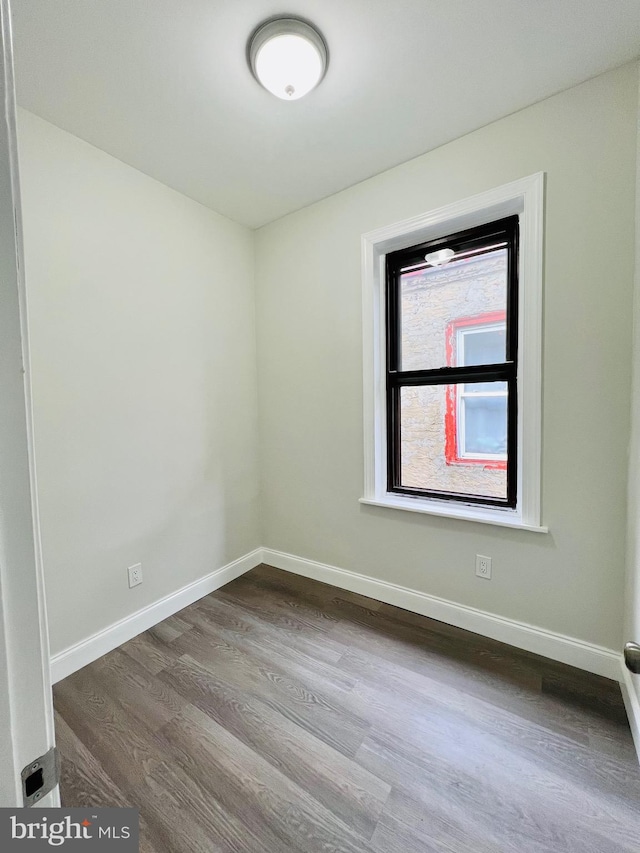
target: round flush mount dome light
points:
(288, 57)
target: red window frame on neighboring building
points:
(451, 410)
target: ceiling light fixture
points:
(288, 57)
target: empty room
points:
(320, 432)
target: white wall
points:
(141, 311)
(310, 370)
(632, 596)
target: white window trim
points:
(524, 197)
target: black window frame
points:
(504, 230)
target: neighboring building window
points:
(476, 418)
(452, 359)
(452, 340)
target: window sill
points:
(465, 512)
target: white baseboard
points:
(631, 703)
(587, 656)
(86, 651)
(569, 650)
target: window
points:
(451, 390)
(476, 419)
(452, 336)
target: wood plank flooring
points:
(281, 715)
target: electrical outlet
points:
(483, 566)
(135, 575)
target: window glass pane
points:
(485, 425)
(430, 459)
(484, 387)
(482, 346)
(436, 301)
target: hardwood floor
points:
(279, 714)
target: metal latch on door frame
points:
(40, 777)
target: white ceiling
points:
(164, 85)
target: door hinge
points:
(40, 777)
